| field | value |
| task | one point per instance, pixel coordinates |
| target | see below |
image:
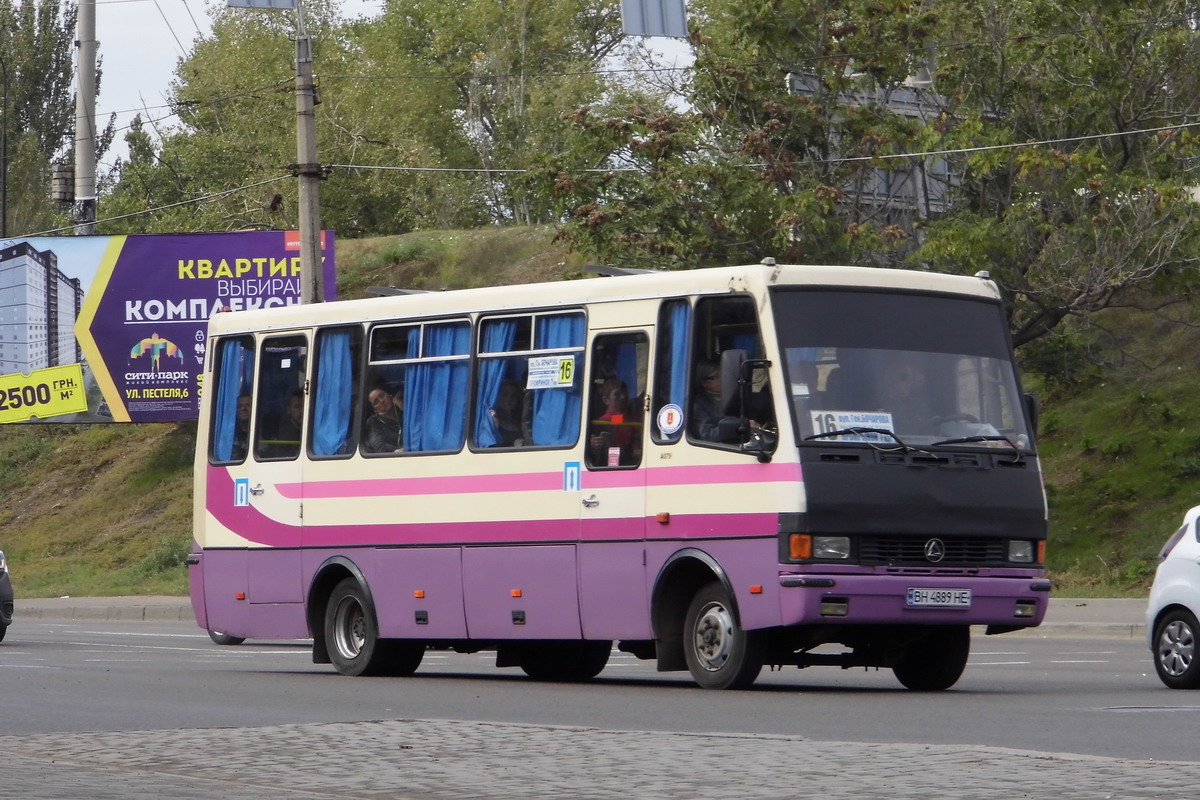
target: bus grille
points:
(972, 551)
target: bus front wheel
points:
(720, 655)
(936, 661)
(353, 637)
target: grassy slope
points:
(106, 509)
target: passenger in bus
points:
(706, 403)
(506, 415)
(383, 429)
(241, 428)
(612, 438)
(903, 395)
(287, 435)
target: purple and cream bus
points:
(717, 469)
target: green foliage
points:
(427, 114)
(1079, 221)
(36, 66)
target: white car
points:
(1171, 627)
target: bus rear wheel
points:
(564, 661)
(353, 637)
(719, 654)
(934, 662)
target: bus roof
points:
(754, 277)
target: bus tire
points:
(1175, 650)
(719, 654)
(564, 661)
(225, 638)
(353, 637)
(934, 662)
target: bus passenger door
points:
(612, 591)
(274, 470)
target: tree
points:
(1101, 210)
(754, 166)
(800, 113)
(36, 56)
(415, 108)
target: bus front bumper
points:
(845, 599)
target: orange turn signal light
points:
(800, 545)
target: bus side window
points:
(335, 388)
(671, 371)
(282, 370)
(435, 389)
(233, 374)
(556, 396)
(617, 394)
(728, 323)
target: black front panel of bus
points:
(854, 491)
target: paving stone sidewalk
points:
(435, 759)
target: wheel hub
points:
(713, 637)
(1176, 648)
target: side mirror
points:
(1033, 411)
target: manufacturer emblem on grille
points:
(935, 550)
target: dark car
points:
(6, 597)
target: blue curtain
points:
(331, 417)
(627, 368)
(229, 386)
(747, 342)
(435, 394)
(498, 337)
(556, 411)
(679, 316)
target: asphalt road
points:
(138, 708)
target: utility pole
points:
(307, 170)
(84, 211)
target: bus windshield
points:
(899, 369)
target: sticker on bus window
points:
(551, 372)
(826, 422)
(670, 419)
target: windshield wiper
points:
(858, 430)
(982, 438)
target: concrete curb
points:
(151, 608)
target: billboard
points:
(113, 328)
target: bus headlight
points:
(831, 547)
(1020, 551)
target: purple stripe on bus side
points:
(542, 481)
(249, 523)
